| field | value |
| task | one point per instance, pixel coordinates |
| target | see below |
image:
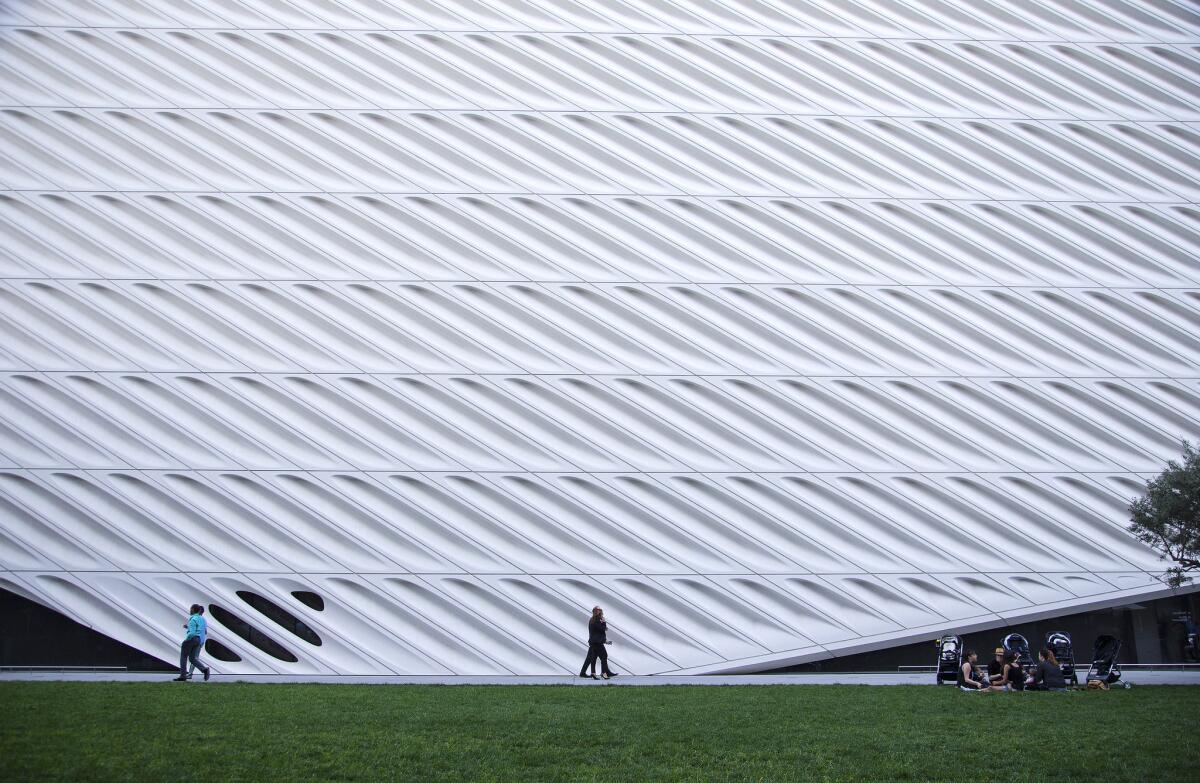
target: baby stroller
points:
(1191, 636)
(1104, 660)
(1059, 643)
(949, 658)
(1016, 644)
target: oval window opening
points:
(220, 651)
(310, 599)
(281, 617)
(251, 634)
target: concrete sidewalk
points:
(923, 678)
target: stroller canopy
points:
(1105, 647)
(1016, 643)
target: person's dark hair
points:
(1048, 655)
(968, 654)
(1010, 657)
(196, 609)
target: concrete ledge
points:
(922, 678)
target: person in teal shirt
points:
(193, 643)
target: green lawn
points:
(195, 732)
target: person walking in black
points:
(597, 639)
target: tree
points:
(1167, 517)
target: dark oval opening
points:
(309, 599)
(251, 634)
(280, 616)
(220, 651)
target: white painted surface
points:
(741, 320)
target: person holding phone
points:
(597, 641)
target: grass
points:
(195, 732)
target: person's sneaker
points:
(206, 673)
(594, 677)
(610, 675)
(180, 679)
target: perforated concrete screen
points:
(781, 329)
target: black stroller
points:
(1016, 644)
(1191, 636)
(1059, 643)
(949, 658)
(1104, 660)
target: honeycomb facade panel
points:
(402, 334)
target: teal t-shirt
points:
(197, 627)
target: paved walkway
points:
(1136, 678)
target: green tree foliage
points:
(1167, 517)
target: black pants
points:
(190, 650)
(595, 651)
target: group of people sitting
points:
(1005, 673)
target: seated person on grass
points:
(996, 666)
(1047, 676)
(970, 676)
(1012, 676)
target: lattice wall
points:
(780, 328)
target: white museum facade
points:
(403, 333)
